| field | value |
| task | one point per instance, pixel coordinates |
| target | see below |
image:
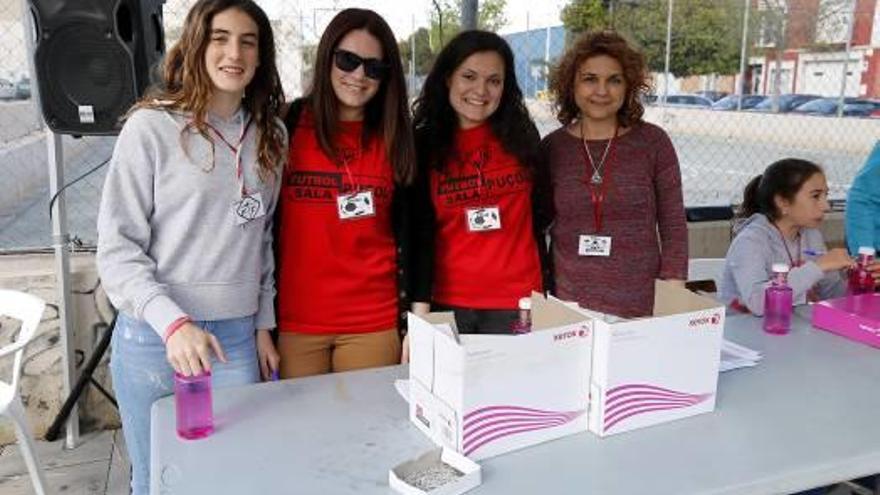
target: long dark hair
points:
(435, 121)
(386, 114)
(783, 178)
(186, 85)
(593, 44)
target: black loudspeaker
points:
(93, 59)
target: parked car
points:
(712, 95)
(692, 101)
(852, 107)
(787, 102)
(23, 88)
(7, 89)
(729, 102)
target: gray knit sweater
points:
(168, 245)
(756, 247)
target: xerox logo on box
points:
(712, 319)
(583, 331)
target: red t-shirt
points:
(335, 275)
(488, 269)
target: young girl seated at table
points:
(779, 219)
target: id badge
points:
(594, 245)
(483, 219)
(248, 208)
(355, 205)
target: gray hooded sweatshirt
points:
(756, 247)
(168, 244)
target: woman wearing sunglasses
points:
(350, 153)
(476, 244)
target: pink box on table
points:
(854, 317)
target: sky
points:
(403, 14)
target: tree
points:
(705, 35)
(490, 17)
(424, 56)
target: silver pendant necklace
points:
(596, 178)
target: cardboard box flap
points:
(551, 313)
(670, 299)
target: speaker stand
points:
(61, 245)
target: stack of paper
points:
(735, 356)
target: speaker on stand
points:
(92, 59)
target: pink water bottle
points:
(524, 323)
(778, 302)
(192, 400)
(860, 279)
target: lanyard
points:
(785, 245)
(598, 190)
(235, 149)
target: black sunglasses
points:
(348, 62)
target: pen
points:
(813, 252)
(275, 376)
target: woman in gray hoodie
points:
(185, 225)
(780, 215)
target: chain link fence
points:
(728, 100)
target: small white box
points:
(484, 395)
(471, 475)
(657, 369)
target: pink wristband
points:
(175, 326)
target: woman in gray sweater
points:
(184, 229)
(780, 215)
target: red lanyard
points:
(236, 150)
(785, 245)
(597, 191)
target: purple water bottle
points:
(192, 401)
(524, 323)
(860, 279)
(778, 302)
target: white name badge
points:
(355, 205)
(483, 219)
(594, 245)
(248, 208)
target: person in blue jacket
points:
(863, 206)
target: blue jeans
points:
(141, 375)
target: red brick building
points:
(814, 47)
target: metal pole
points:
(529, 81)
(843, 78)
(60, 243)
(547, 57)
(469, 10)
(742, 56)
(668, 49)
(412, 57)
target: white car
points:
(7, 89)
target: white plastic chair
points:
(29, 310)
(706, 269)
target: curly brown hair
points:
(591, 44)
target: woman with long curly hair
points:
(476, 248)
(185, 223)
(614, 185)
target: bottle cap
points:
(525, 303)
(868, 250)
(780, 268)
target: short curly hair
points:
(591, 44)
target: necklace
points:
(596, 178)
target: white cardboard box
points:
(471, 473)
(484, 395)
(662, 368)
